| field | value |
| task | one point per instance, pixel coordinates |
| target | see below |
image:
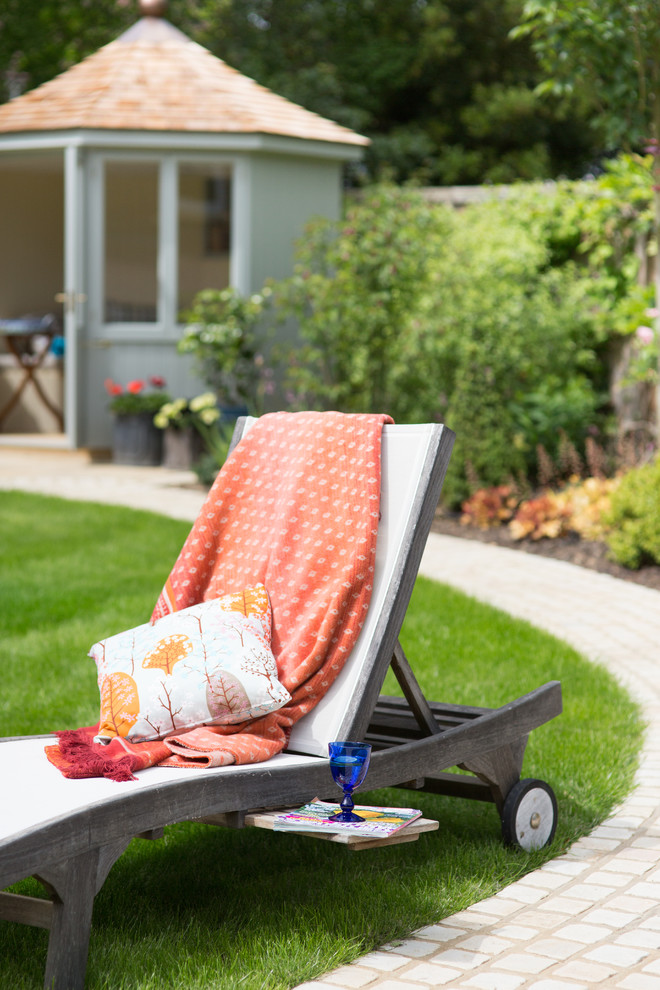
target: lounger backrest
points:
(414, 461)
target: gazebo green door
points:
(160, 229)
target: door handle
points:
(69, 299)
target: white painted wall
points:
(287, 192)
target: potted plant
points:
(135, 439)
(223, 336)
(190, 429)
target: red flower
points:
(112, 388)
(157, 381)
(135, 386)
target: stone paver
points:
(596, 922)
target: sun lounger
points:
(68, 833)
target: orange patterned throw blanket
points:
(295, 508)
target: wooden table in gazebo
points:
(19, 335)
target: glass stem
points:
(347, 801)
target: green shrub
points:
(355, 295)
(634, 517)
(513, 342)
(495, 318)
(223, 335)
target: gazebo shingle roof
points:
(154, 78)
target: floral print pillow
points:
(207, 664)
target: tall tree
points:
(439, 85)
(41, 38)
(609, 49)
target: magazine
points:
(314, 817)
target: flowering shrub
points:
(181, 413)
(223, 337)
(201, 414)
(489, 507)
(644, 364)
(590, 502)
(134, 399)
(581, 507)
(546, 516)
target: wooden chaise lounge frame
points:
(68, 833)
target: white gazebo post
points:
(73, 299)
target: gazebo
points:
(143, 174)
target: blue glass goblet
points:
(349, 762)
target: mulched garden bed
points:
(584, 553)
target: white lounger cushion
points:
(35, 792)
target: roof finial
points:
(153, 8)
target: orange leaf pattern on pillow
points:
(228, 672)
(249, 601)
(120, 704)
(168, 652)
(225, 694)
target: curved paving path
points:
(590, 918)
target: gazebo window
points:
(216, 220)
(131, 242)
(204, 229)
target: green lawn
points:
(214, 908)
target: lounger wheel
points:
(529, 815)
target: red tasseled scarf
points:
(77, 756)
